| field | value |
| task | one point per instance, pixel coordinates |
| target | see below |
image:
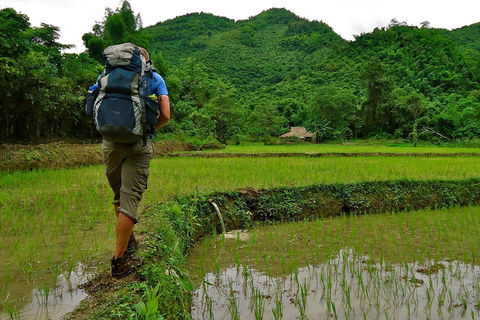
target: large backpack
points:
(122, 110)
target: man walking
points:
(127, 170)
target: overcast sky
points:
(346, 17)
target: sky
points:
(346, 17)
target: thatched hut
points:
(299, 132)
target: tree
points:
(266, 121)
(225, 110)
(377, 84)
(188, 86)
(159, 62)
(13, 40)
(408, 106)
(425, 24)
(118, 26)
(322, 131)
(332, 106)
(42, 90)
(116, 29)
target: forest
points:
(252, 79)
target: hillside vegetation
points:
(253, 79)
(288, 71)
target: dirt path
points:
(65, 155)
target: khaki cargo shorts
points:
(127, 170)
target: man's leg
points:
(124, 230)
(135, 172)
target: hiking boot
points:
(132, 245)
(124, 265)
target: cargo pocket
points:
(142, 181)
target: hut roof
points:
(299, 132)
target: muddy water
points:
(348, 286)
(47, 299)
(46, 286)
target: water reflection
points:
(47, 301)
(349, 286)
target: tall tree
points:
(333, 105)
(41, 95)
(118, 26)
(13, 41)
(377, 83)
(225, 111)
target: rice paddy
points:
(56, 222)
(408, 265)
(259, 147)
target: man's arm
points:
(164, 108)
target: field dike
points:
(161, 287)
(58, 155)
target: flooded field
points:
(283, 272)
(54, 221)
(346, 287)
(48, 297)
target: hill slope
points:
(392, 77)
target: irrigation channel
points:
(281, 272)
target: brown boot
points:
(124, 265)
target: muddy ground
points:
(65, 155)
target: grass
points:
(209, 174)
(51, 219)
(339, 147)
(394, 265)
(415, 236)
(59, 209)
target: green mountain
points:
(395, 76)
(255, 78)
(269, 47)
(468, 40)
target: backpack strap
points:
(144, 112)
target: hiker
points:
(127, 153)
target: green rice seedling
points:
(7, 277)
(278, 309)
(258, 304)
(303, 297)
(334, 310)
(13, 311)
(237, 258)
(232, 307)
(42, 294)
(208, 299)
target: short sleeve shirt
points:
(158, 86)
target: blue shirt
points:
(157, 86)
